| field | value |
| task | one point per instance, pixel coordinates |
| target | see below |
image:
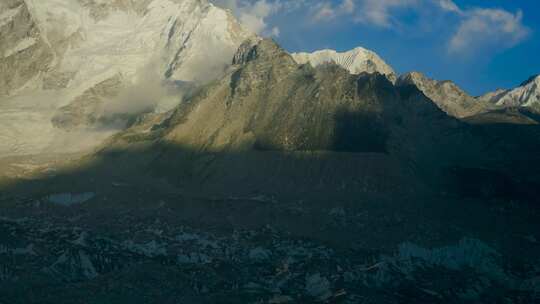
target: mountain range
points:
(157, 150)
(103, 64)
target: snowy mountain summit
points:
(89, 41)
(356, 61)
(527, 95)
(92, 58)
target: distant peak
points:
(357, 61)
(530, 80)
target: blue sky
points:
(482, 45)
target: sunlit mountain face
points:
(187, 151)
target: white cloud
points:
(253, 14)
(476, 28)
(325, 11)
(348, 6)
(380, 12)
(275, 32)
(488, 28)
(450, 6)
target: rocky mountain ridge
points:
(102, 64)
(445, 94)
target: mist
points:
(160, 86)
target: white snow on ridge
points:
(356, 61)
(182, 38)
(527, 95)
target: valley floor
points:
(95, 240)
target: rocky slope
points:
(356, 61)
(446, 95)
(270, 123)
(273, 126)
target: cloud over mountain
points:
(481, 28)
(469, 29)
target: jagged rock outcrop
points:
(446, 95)
(356, 61)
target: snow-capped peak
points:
(356, 61)
(526, 95)
(83, 53)
(125, 35)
